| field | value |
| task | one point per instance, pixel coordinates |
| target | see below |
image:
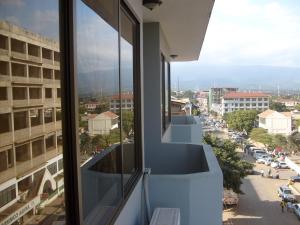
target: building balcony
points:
(23, 167)
(51, 153)
(37, 130)
(34, 102)
(47, 61)
(38, 161)
(48, 81)
(20, 103)
(19, 79)
(56, 63)
(5, 103)
(192, 174)
(22, 134)
(19, 55)
(49, 102)
(3, 51)
(35, 59)
(58, 125)
(35, 80)
(6, 138)
(4, 77)
(7, 174)
(49, 127)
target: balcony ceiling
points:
(184, 24)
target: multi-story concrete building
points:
(276, 122)
(234, 101)
(30, 122)
(126, 102)
(215, 97)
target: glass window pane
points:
(127, 47)
(29, 52)
(98, 82)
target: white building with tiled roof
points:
(233, 101)
(276, 122)
(126, 102)
(102, 123)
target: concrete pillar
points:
(152, 91)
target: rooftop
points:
(245, 95)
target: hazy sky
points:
(253, 32)
(247, 39)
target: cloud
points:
(253, 32)
(14, 3)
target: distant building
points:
(126, 101)
(289, 103)
(215, 96)
(234, 101)
(102, 123)
(91, 106)
(276, 122)
(202, 98)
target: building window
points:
(4, 68)
(47, 73)
(253, 104)
(3, 93)
(253, 99)
(7, 195)
(35, 93)
(116, 33)
(266, 104)
(6, 159)
(48, 115)
(48, 92)
(20, 120)
(37, 147)
(5, 123)
(241, 104)
(265, 99)
(19, 93)
(166, 98)
(36, 117)
(52, 168)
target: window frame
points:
(165, 121)
(70, 116)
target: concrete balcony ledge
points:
(183, 120)
(185, 129)
(187, 177)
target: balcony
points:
(192, 174)
(35, 59)
(51, 154)
(18, 55)
(20, 103)
(183, 129)
(6, 138)
(7, 174)
(34, 102)
(37, 130)
(22, 134)
(49, 127)
(23, 167)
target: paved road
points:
(260, 203)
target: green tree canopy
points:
(277, 106)
(261, 135)
(127, 121)
(233, 167)
(241, 120)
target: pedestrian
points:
(269, 172)
(262, 173)
(289, 207)
(282, 206)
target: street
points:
(260, 204)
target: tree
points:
(277, 106)
(233, 167)
(261, 135)
(98, 142)
(241, 120)
(297, 107)
(85, 144)
(279, 140)
(293, 142)
(127, 121)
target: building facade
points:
(30, 118)
(102, 123)
(215, 97)
(276, 122)
(234, 101)
(126, 102)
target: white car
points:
(268, 161)
(286, 193)
(283, 165)
(275, 164)
(296, 208)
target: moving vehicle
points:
(279, 165)
(286, 194)
(297, 210)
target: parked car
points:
(283, 165)
(295, 178)
(265, 159)
(296, 209)
(286, 194)
(259, 155)
(258, 151)
(268, 161)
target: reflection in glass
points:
(29, 41)
(128, 30)
(98, 85)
